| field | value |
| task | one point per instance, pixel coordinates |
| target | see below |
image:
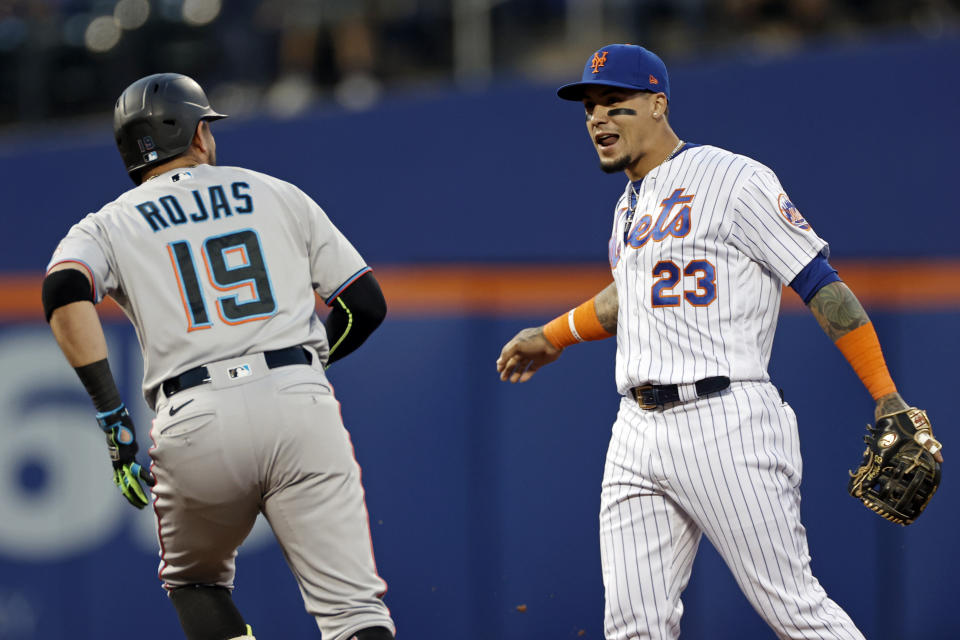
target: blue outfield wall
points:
(483, 496)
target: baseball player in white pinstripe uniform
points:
(217, 269)
(701, 244)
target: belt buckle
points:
(638, 396)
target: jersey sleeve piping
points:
(329, 301)
(86, 267)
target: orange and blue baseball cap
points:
(627, 66)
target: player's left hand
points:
(893, 403)
(900, 471)
(122, 444)
(524, 354)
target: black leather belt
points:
(199, 375)
(651, 396)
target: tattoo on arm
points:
(606, 304)
(837, 310)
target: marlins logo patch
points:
(791, 213)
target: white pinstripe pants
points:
(728, 466)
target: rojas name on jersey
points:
(211, 204)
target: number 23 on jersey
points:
(667, 276)
(233, 264)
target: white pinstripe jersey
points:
(213, 262)
(700, 271)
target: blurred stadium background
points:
(60, 58)
(430, 132)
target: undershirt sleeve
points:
(815, 276)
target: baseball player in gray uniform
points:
(217, 269)
(702, 242)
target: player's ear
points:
(658, 106)
(201, 137)
(198, 140)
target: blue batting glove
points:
(122, 444)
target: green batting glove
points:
(128, 474)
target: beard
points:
(616, 165)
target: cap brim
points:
(574, 91)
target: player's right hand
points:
(524, 354)
(128, 474)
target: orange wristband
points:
(577, 325)
(861, 348)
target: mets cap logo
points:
(599, 59)
(791, 213)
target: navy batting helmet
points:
(155, 119)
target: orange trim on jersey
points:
(677, 220)
(861, 348)
(668, 228)
(234, 323)
(666, 292)
(183, 297)
(231, 289)
(243, 255)
(638, 237)
(86, 268)
(698, 280)
(541, 290)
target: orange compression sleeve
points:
(861, 348)
(577, 325)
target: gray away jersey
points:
(712, 241)
(213, 262)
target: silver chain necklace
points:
(636, 194)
